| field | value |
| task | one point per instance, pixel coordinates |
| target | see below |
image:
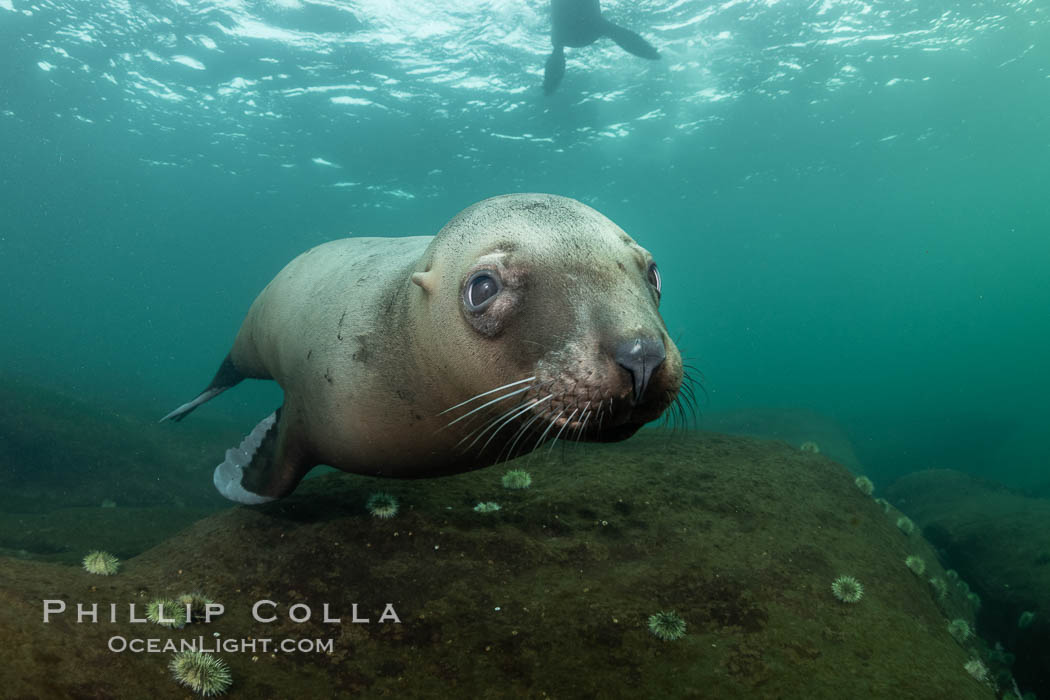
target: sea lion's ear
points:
(425, 280)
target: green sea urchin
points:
(905, 525)
(486, 507)
(960, 630)
(516, 479)
(847, 589)
(101, 563)
(667, 626)
(1026, 619)
(198, 603)
(916, 564)
(940, 587)
(382, 505)
(202, 673)
(977, 669)
(810, 446)
(166, 612)
(884, 503)
(865, 485)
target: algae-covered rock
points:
(552, 595)
(999, 542)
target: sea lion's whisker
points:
(525, 428)
(677, 413)
(550, 425)
(583, 425)
(486, 405)
(563, 427)
(489, 421)
(486, 393)
(501, 420)
(486, 426)
(508, 420)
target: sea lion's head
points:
(545, 315)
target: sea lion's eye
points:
(481, 290)
(654, 276)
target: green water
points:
(848, 201)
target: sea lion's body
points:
(576, 23)
(342, 354)
(389, 368)
(579, 23)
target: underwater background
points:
(849, 202)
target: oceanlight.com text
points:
(263, 645)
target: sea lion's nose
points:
(640, 357)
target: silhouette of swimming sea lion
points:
(579, 23)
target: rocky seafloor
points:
(548, 597)
(999, 540)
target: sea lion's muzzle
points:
(640, 357)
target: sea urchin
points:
(905, 524)
(382, 505)
(202, 673)
(960, 630)
(847, 589)
(865, 485)
(101, 563)
(516, 479)
(198, 603)
(916, 564)
(166, 612)
(667, 626)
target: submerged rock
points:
(999, 542)
(741, 538)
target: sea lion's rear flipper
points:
(227, 376)
(267, 465)
(630, 42)
(554, 70)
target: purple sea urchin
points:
(202, 673)
(382, 505)
(847, 589)
(667, 626)
(101, 563)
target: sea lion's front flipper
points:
(554, 70)
(630, 42)
(267, 465)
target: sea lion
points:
(526, 318)
(579, 23)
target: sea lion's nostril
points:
(640, 357)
